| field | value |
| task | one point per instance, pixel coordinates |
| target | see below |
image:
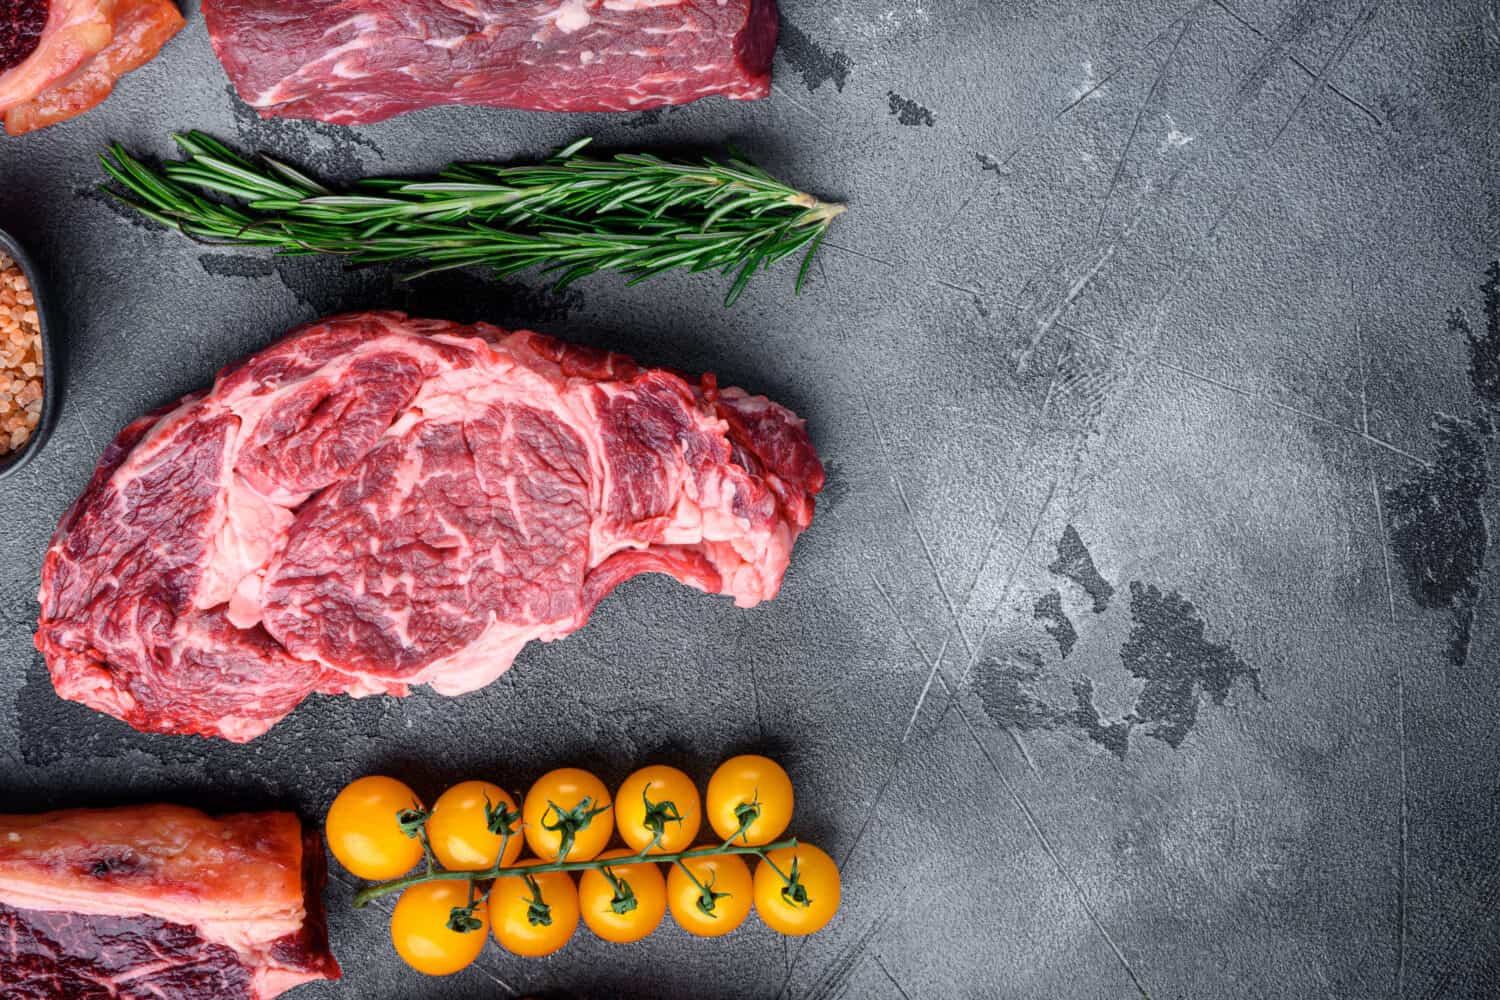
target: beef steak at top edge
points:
(377, 501)
(357, 64)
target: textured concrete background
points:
(1145, 640)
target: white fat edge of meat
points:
(481, 663)
(253, 934)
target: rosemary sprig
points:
(569, 216)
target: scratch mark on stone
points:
(1135, 127)
(1015, 567)
(1044, 326)
(1046, 844)
(908, 111)
(860, 253)
(1332, 62)
(833, 981)
(1247, 25)
(957, 288)
(836, 974)
(1258, 397)
(933, 673)
(1090, 92)
(916, 527)
(891, 979)
(809, 112)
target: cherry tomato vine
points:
(747, 823)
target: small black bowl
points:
(51, 391)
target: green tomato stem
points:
(373, 892)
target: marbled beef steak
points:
(355, 63)
(159, 903)
(376, 502)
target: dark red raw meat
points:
(356, 63)
(21, 24)
(377, 502)
(159, 903)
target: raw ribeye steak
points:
(159, 903)
(356, 63)
(376, 502)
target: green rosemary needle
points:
(568, 216)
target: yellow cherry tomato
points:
(364, 833)
(421, 933)
(534, 918)
(745, 786)
(726, 903)
(658, 798)
(459, 827)
(628, 911)
(567, 812)
(806, 906)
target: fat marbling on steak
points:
(376, 502)
(356, 63)
(160, 902)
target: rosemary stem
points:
(570, 216)
(373, 892)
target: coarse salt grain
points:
(20, 358)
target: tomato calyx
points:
(624, 900)
(413, 822)
(501, 820)
(571, 821)
(658, 815)
(746, 813)
(794, 892)
(538, 913)
(708, 900)
(461, 919)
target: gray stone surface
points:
(1144, 642)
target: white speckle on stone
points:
(1175, 139)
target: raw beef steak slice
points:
(353, 64)
(376, 502)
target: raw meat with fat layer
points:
(377, 502)
(160, 903)
(60, 58)
(356, 63)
